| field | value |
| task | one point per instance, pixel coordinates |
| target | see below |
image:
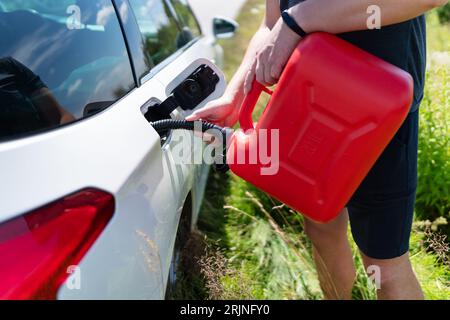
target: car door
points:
(158, 189)
(197, 45)
(96, 65)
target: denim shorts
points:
(381, 210)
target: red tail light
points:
(36, 249)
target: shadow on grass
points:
(213, 218)
(192, 284)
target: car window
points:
(49, 7)
(60, 61)
(186, 17)
(162, 34)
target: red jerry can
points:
(333, 112)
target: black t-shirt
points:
(402, 44)
(18, 114)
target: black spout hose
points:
(165, 125)
(170, 124)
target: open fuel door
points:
(193, 88)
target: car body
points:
(114, 148)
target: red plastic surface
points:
(336, 108)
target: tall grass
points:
(433, 195)
(444, 14)
(257, 248)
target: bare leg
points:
(333, 256)
(397, 278)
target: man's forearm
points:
(338, 16)
(50, 108)
(235, 87)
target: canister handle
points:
(250, 100)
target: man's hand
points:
(67, 118)
(272, 57)
(223, 112)
(49, 106)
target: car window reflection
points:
(74, 48)
(27, 104)
(162, 35)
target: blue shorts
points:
(381, 210)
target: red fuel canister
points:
(334, 110)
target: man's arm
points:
(225, 110)
(274, 42)
(332, 16)
(337, 16)
(50, 108)
(270, 19)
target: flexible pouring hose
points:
(171, 124)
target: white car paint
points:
(119, 152)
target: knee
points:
(394, 278)
(315, 230)
(329, 232)
(388, 271)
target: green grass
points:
(263, 252)
(433, 195)
(444, 14)
(437, 35)
(432, 273)
(264, 245)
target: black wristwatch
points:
(292, 24)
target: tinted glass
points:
(162, 34)
(186, 17)
(60, 60)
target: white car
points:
(92, 199)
